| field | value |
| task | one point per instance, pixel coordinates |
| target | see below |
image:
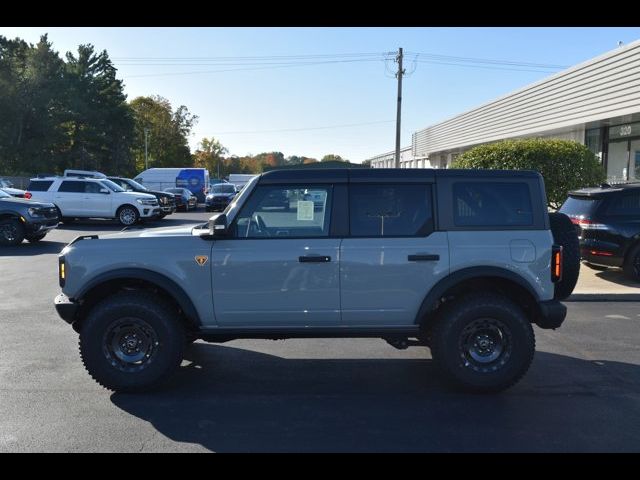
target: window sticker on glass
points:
(305, 210)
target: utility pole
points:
(399, 76)
(146, 158)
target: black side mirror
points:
(218, 226)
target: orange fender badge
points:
(201, 260)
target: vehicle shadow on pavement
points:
(26, 249)
(235, 400)
(617, 276)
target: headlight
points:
(147, 201)
(35, 212)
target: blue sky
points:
(302, 100)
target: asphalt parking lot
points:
(581, 394)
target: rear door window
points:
(39, 185)
(390, 210)
(492, 204)
(625, 205)
(72, 186)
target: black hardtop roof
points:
(396, 175)
(604, 189)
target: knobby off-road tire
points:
(11, 232)
(36, 238)
(564, 233)
(131, 342)
(482, 343)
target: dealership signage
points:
(624, 131)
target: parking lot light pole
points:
(146, 158)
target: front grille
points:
(50, 212)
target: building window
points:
(593, 141)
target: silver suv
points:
(464, 262)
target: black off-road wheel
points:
(482, 343)
(11, 232)
(564, 233)
(132, 342)
(631, 267)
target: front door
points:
(279, 268)
(392, 257)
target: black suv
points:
(607, 220)
(166, 201)
(20, 219)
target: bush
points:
(564, 164)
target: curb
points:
(604, 297)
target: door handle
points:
(423, 258)
(314, 259)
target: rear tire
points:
(564, 233)
(482, 343)
(631, 267)
(11, 232)
(131, 342)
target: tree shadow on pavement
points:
(235, 400)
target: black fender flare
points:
(451, 280)
(158, 279)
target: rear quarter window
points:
(580, 206)
(39, 185)
(628, 204)
(492, 204)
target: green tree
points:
(565, 165)
(100, 123)
(210, 156)
(32, 106)
(332, 157)
(168, 133)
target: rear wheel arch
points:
(120, 280)
(474, 279)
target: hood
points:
(184, 231)
(160, 193)
(24, 201)
(226, 195)
(13, 191)
(139, 195)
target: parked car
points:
(7, 187)
(196, 180)
(220, 196)
(607, 221)
(21, 218)
(185, 200)
(89, 197)
(166, 201)
(461, 261)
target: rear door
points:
(69, 198)
(393, 255)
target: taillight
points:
(587, 224)
(27, 195)
(556, 263)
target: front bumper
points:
(551, 314)
(40, 226)
(66, 308)
(149, 211)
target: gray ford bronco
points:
(463, 262)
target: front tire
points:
(11, 232)
(131, 342)
(482, 343)
(128, 215)
(36, 238)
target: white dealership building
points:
(596, 103)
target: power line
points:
(435, 56)
(304, 129)
(250, 68)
